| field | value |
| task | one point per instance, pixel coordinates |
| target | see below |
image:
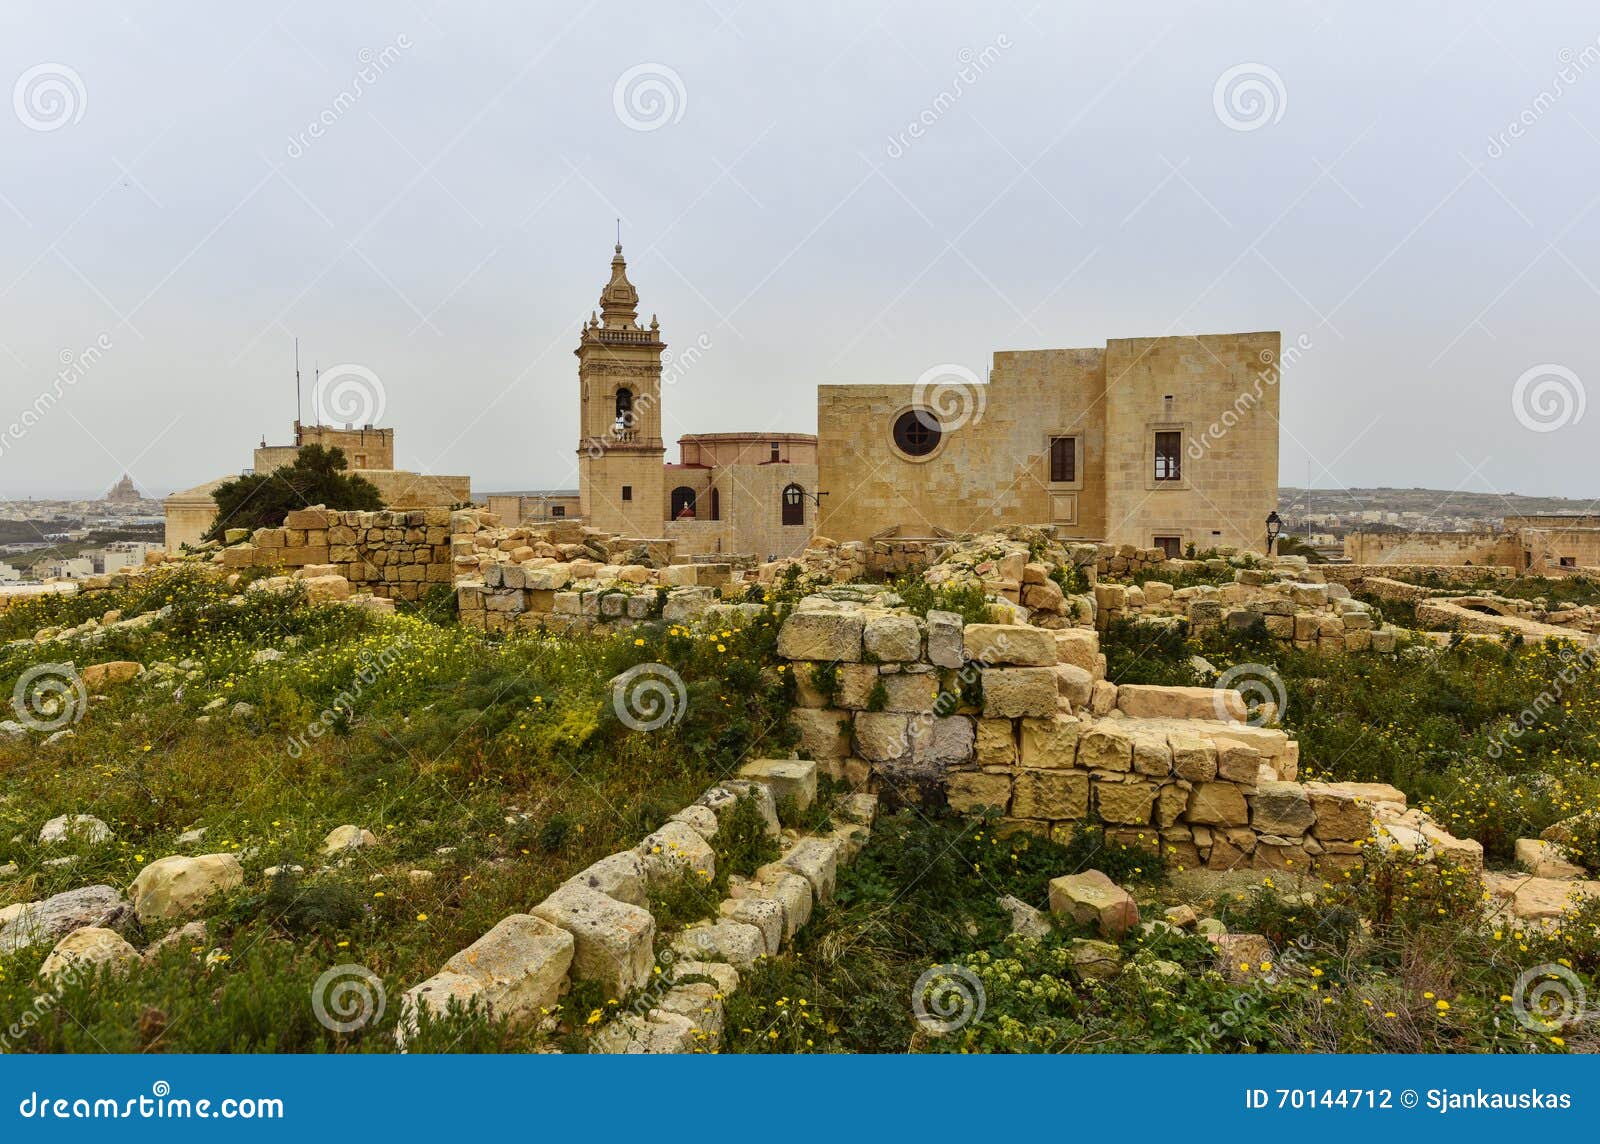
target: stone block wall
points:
(669, 988)
(390, 553)
(1021, 721)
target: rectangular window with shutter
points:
(1063, 459)
(1169, 450)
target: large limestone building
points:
(1156, 442)
(369, 453)
(735, 493)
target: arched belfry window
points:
(683, 503)
(794, 505)
(625, 407)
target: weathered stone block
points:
(1050, 742)
(828, 636)
(969, 792)
(1009, 644)
(1013, 692)
(892, 639)
(1281, 808)
(522, 964)
(613, 941)
(1125, 803)
(1050, 794)
(1105, 747)
(1091, 898)
(1217, 804)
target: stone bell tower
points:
(621, 481)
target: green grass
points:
(498, 766)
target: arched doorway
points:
(683, 503)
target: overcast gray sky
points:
(1342, 172)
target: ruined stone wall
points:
(1021, 720)
(389, 553)
(598, 927)
(1435, 548)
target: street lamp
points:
(1274, 526)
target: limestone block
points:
(892, 639)
(1091, 898)
(946, 741)
(1171, 802)
(1014, 692)
(1075, 685)
(793, 781)
(817, 861)
(1125, 803)
(996, 743)
(969, 792)
(99, 676)
(85, 952)
(1151, 754)
(828, 636)
(82, 828)
(1105, 747)
(781, 885)
(1242, 957)
(675, 851)
(1341, 815)
(1148, 701)
(613, 941)
(341, 840)
(1050, 794)
(1281, 808)
(1103, 699)
(882, 736)
(521, 963)
(764, 914)
(944, 639)
(35, 923)
(1050, 742)
(910, 692)
(434, 997)
(1237, 762)
(1217, 804)
(1545, 859)
(824, 731)
(1009, 644)
(620, 876)
(738, 944)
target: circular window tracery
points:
(917, 432)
